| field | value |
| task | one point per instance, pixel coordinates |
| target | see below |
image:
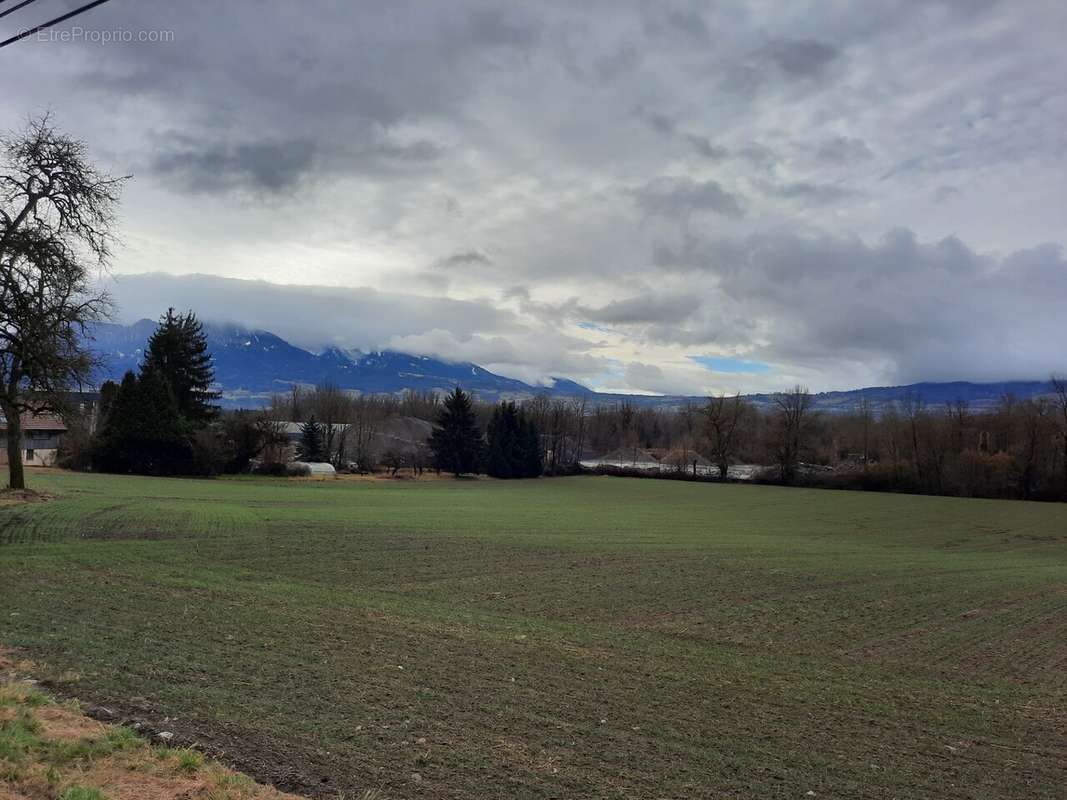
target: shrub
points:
(274, 469)
(82, 793)
(189, 760)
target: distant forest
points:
(1017, 449)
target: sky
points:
(655, 197)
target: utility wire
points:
(52, 22)
(13, 9)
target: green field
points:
(563, 638)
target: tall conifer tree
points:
(178, 352)
(310, 447)
(513, 449)
(457, 443)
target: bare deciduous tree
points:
(579, 407)
(1034, 415)
(56, 218)
(364, 421)
(793, 418)
(914, 411)
(1059, 387)
(722, 418)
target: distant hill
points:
(250, 366)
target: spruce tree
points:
(143, 432)
(310, 445)
(530, 447)
(502, 447)
(178, 352)
(514, 445)
(456, 443)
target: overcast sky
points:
(647, 196)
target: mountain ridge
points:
(251, 365)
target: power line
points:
(13, 9)
(52, 22)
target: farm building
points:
(399, 436)
(316, 468)
(41, 434)
(633, 457)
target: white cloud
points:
(480, 179)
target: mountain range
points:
(250, 366)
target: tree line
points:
(56, 215)
(1017, 449)
(510, 448)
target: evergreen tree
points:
(503, 443)
(457, 444)
(513, 449)
(310, 447)
(178, 352)
(143, 431)
(530, 447)
(109, 392)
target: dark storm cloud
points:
(468, 258)
(645, 308)
(280, 166)
(844, 149)
(705, 147)
(662, 20)
(659, 122)
(803, 58)
(270, 167)
(680, 197)
(501, 26)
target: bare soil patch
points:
(18, 497)
(67, 725)
(99, 755)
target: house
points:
(41, 434)
(293, 432)
(403, 436)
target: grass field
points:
(567, 638)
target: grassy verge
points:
(50, 750)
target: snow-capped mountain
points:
(252, 365)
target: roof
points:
(296, 428)
(37, 422)
(630, 455)
(317, 467)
